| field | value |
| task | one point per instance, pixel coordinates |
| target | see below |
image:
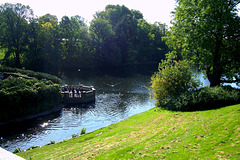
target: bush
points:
(83, 131)
(172, 79)
(38, 75)
(51, 142)
(22, 97)
(205, 98)
(17, 150)
(32, 147)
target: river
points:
(120, 93)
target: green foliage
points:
(172, 79)
(2, 54)
(51, 142)
(74, 135)
(126, 37)
(206, 32)
(75, 46)
(38, 75)
(206, 98)
(83, 131)
(13, 30)
(116, 36)
(17, 150)
(23, 97)
(31, 148)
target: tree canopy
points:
(116, 36)
(13, 29)
(130, 37)
(206, 32)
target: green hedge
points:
(38, 75)
(21, 97)
(205, 98)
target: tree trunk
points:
(216, 76)
(217, 65)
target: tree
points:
(207, 32)
(48, 18)
(49, 43)
(144, 40)
(124, 25)
(74, 37)
(13, 30)
(31, 59)
(159, 46)
(103, 38)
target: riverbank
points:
(43, 113)
(156, 134)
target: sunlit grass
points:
(156, 134)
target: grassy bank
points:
(156, 134)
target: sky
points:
(152, 10)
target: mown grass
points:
(156, 134)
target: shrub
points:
(17, 150)
(32, 147)
(74, 135)
(38, 75)
(206, 98)
(172, 79)
(83, 131)
(22, 97)
(51, 142)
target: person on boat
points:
(78, 89)
(73, 90)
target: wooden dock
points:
(78, 94)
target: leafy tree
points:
(13, 30)
(207, 32)
(124, 25)
(75, 42)
(49, 43)
(126, 32)
(144, 41)
(48, 18)
(134, 39)
(101, 29)
(159, 46)
(103, 38)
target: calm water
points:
(120, 93)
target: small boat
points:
(79, 94)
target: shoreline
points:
(36, 115)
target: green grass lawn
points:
(156, 134)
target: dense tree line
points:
(116, 36)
